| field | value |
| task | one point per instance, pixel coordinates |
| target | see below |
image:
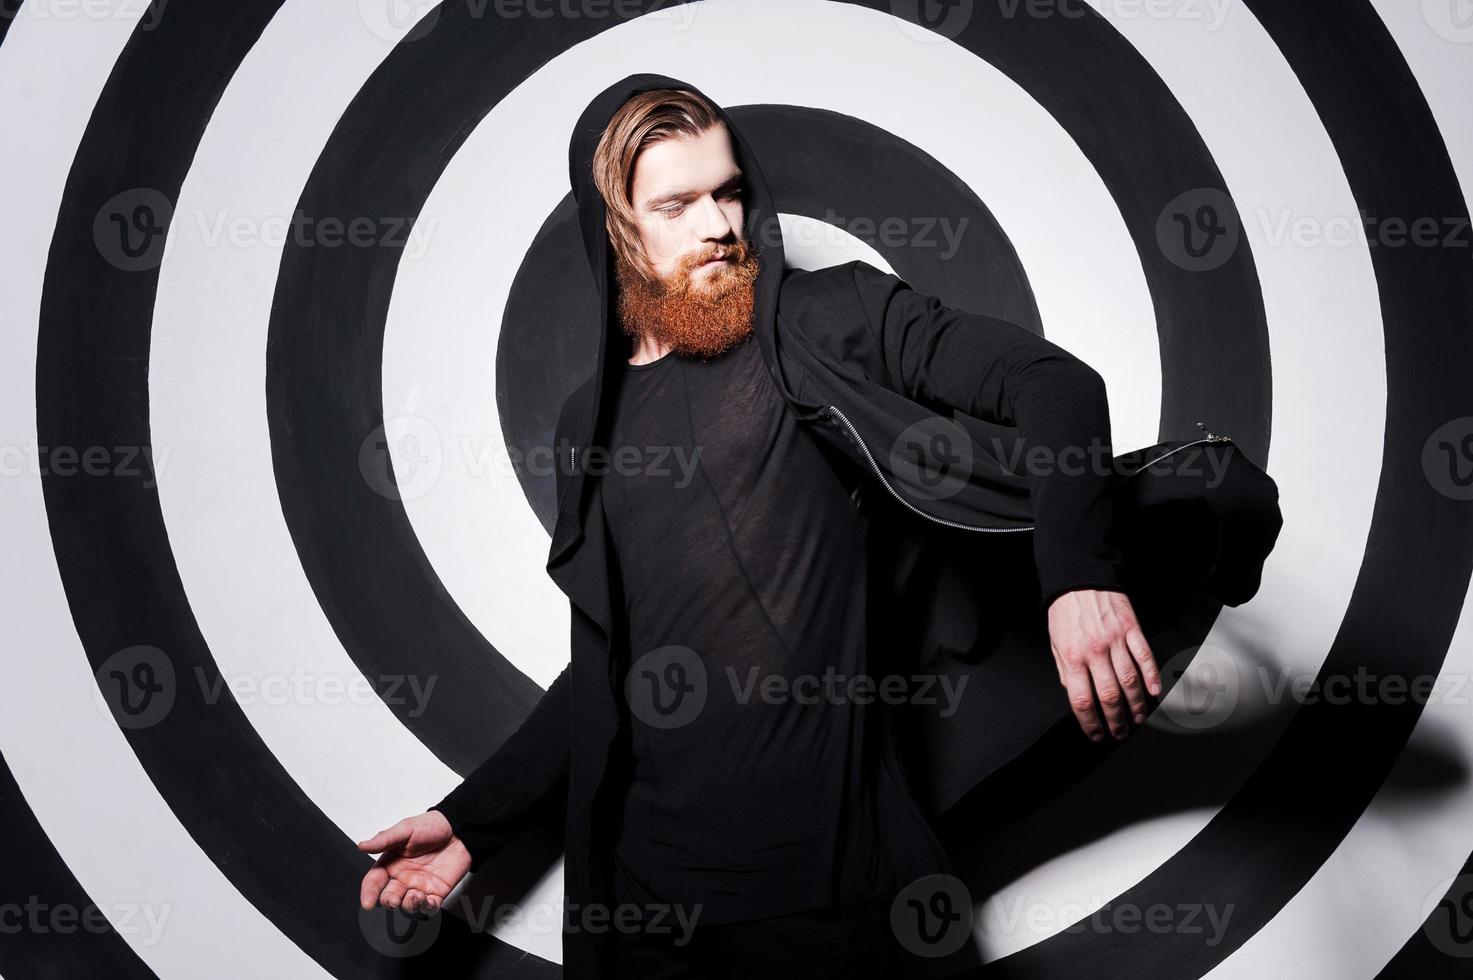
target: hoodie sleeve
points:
(522, 783)
(996, 370)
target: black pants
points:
(850, 942)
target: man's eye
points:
(726, 195)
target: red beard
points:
(697, 319)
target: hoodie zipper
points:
(1209, 437)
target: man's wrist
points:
(1106, 578)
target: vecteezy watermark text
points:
(669, 687)
(400, 935)
(833, 687)
(138, 685)
(142, 922)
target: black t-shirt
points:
(739, 555)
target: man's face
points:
(687, 199)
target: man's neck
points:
(647, 350)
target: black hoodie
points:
(964, 571)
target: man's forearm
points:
(996, 370)
(522, 781)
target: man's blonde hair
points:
(646, 119)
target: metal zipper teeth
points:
(1173, 452)
(854, 434)
(939, 520)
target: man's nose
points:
(714, 225)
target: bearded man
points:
(686, 755)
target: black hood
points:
(760, 227)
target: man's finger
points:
(384, 839)
(419, 879)
(1129, 677)
(373, 884)
(393, 894)
(1135, 639)
(1082, 703)
(1107, 689)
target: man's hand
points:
(422, 861)
(1100, 651)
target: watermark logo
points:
(1447, 459)
(1199, 230)
(131, 229)
(932, 21)
(934, 456)
(402, 459)
(398, 934)
(1204, 687)
(1452, 20)
(399, 20)
(1447, 916)
(136, 686)
(666, 688)
(932, 916)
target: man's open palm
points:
(1101, 653)
(422, 861)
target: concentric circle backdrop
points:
(295, 291)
